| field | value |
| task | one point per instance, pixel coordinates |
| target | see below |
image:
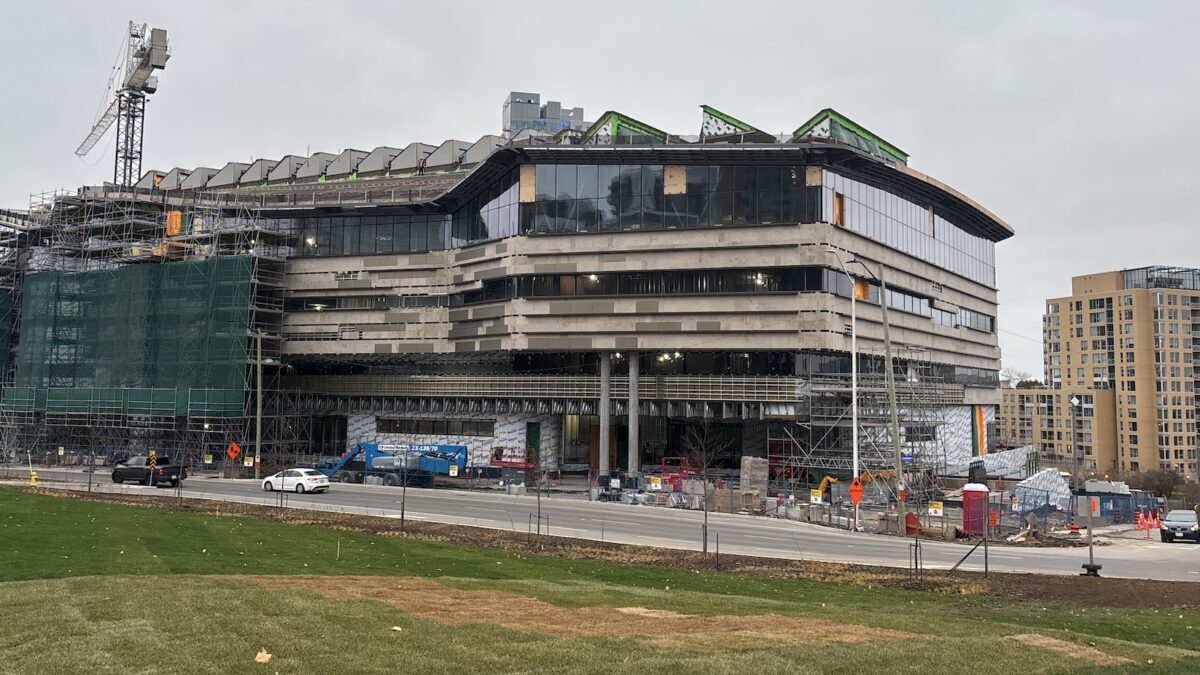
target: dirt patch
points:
(1074, 650)
(431, 600)
(1078, 590)
(652, 613)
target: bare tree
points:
(1189, 491)
(705, 448)
(1009, 377)
(1161, 483)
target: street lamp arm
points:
(866, 269)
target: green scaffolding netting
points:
(6, 324)
(168, 338)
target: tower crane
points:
(146, 50)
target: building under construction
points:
(588, 295)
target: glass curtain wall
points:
(909, 227)
(358, 235)
(573, 198)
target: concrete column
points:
(635, 455)
(605, 413)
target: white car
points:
(300, 480)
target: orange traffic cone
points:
(1074, 527)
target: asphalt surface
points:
(676, 528)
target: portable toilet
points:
(975, 508)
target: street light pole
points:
(890, 380)
(258, 407)
(853, 371)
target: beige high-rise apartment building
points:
(1123, 346)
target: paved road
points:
(674, 528)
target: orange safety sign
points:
(233, 450)
(856, 491)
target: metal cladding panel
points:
(258, 171)
(198, 178)
(378, 160)
(482, 148)
(286, 168)
(149, 181)
(345, 163)
(228, 175)
(315, 166)
(407, 159)
(447, 153)
(174, 179)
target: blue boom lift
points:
(389, 464)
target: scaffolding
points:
(137, 325)
(814, 438)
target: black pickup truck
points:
(138, 469)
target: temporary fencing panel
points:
(146, 338)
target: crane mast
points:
(146, 51)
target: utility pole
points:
(258, 377)
(404, 485)
(891, 389)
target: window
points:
(920, 434)
(427, 427)
(839, 208)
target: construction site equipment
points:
(826, 482)
(146, 50)
(513, 457)
(443, 460)
(675, 470)
(414, 465)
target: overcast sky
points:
(1073, 121)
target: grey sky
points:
(1071, 120)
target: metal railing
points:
(301, 195)
(678, 388)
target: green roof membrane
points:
(717, 123)
(830, 123)
(614, 128)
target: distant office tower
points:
(524, 110)
(1122, 344)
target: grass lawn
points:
(105, 588)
